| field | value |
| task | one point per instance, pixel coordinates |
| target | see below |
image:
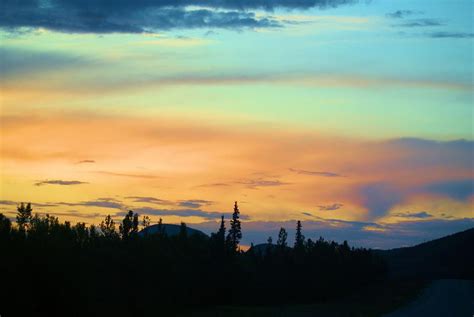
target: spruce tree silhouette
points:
(282, 237)
(24, 216)
(299, 238)
(235, 231)
(220, 236)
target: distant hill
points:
(448, 257)
(170, 230)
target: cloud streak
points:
(256, 183)
(100, 202)
(452, 35)
(324, 174)
(330, 207)
(59, 182)
(419, 215)
(401, 14)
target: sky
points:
(355, 117)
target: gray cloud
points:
(421, 215)
(59, 182)
(400, 14)
(420, 23)
(255, 183)
(8, 202)
(150, 200)
(86, 162)
(454, 35)
(379, 198)
(425, 153)
(99, 202)
(15, 203)
(194, 203)
(214, 185)
(318, 173)
(456, 189)
(189, 203)
(17, 61)
(88, 16)
(334, 206)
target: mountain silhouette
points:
(170, 230)
(448, 257)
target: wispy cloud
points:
(59, 182)
(15, 203)
(314, 173)
(214, 185)
(99, 202)
(256, 183)
(454, 35)
(150, 200)
(420, 23)
(194, 203)
(86, 162)
(420, 215)
(460, 189)
(400, 14)
(334, 206)
(127, 174)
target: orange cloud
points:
(276, 173)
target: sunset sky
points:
(355, 117)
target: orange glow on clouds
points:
(276, 174)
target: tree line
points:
(50, 267)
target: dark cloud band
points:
(125, 16)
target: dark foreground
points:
(396, 299)
(442, 298)
(372, 301)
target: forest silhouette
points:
(50, 267)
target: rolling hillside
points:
(448, 257)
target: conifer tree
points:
(299, 238)
(282, 237)
(235, 231)
(24, 216)
(135, 222)
(220, 236)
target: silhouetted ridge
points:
(448, 257)
(169, 230)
